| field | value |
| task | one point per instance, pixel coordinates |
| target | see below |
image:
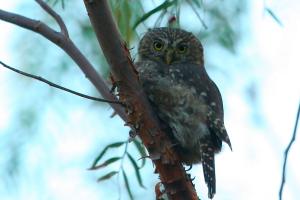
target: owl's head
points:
(170, 45)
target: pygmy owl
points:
(171, 70)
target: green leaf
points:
(113, 145)
(107, 162)
(226, 38)
(127, 185)
(162, 6)
(54, 2)
(127, 11)
(137, 170)
(63, 4)
(197, 14)
(274, 16)
(141, 150)
(107, 176)
(197, 3)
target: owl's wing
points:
(209, 91)
(217, 128)
(215, 115)
(214, 98)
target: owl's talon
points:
(114, 84)
(113, 88)
(188, 177)
(132, 135)
(192, 179)
(188, 169)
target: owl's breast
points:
(177, 103)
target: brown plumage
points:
(187, 101)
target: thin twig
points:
(57, 86)
(286, 152)
(160, 18)
(197, 14)
(121, 168)
(70, 48)
(58, 19)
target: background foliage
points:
(53, 137)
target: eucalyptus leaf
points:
(136, 169)
(113, 145)
(107, 162)
(274, 16)
(141, 150)
(197, 3)
(162, 6)
(107, 176)
(127, 185)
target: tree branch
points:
(286, 152)
(57, 86)
(58, 19)
(140, 114)
(70, 48)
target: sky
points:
(270, 58)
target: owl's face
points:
(170, 46)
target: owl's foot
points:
(113, 88)
(132, 135)
(189, 168)
(189, 178)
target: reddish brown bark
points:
(140, 114)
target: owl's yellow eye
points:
(157, 45)
(181, 48)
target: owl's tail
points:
(208, 164)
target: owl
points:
(188, 103)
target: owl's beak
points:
(169, 56)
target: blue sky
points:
(269, 55)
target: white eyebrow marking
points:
(177, 42)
